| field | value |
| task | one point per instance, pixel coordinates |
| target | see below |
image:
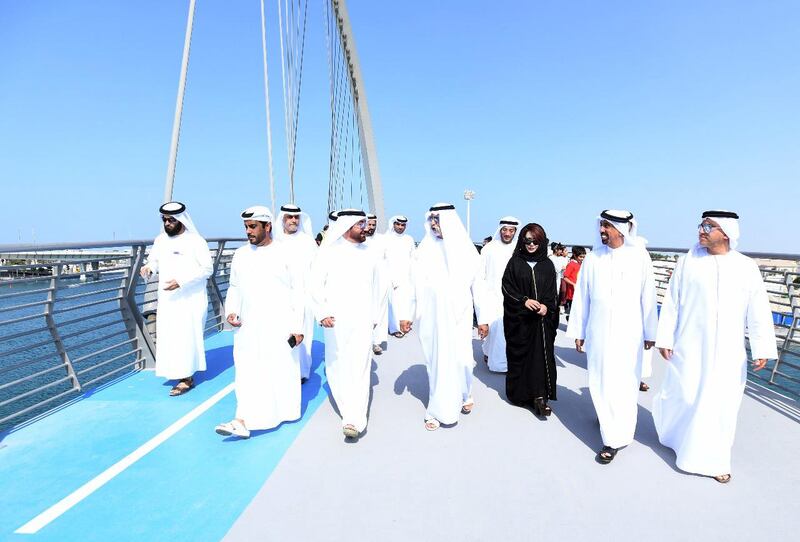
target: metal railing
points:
(75, 324)
(781, 274)
(70, 326)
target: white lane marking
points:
(43, 519)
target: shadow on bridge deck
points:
(501, 473)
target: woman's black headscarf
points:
(540, 236)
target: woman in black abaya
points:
(530, 319)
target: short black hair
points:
(578, 251)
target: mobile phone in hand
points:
(292, 341)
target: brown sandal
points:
(183, 385)
(722, 478)
(431, 424)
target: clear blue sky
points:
(549, 110)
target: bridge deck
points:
(499, 473)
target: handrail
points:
(77, 245)
(45, 362)
(36, 369)
(755, 255)
(783, 288)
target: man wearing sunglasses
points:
(614, 319)
(293, 229)
(714, 296)
(445, 286)
(182, 260)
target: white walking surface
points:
(503, 474)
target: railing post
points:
(134, 322)
(53, 328)
(150, 315)
(216, 296)
(792, 327)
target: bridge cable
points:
(347, 183)
(266, 99)
(293, 23)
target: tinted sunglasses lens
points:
(529, 241)
(705, 227)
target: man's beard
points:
(172, 231)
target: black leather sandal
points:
(540, 407)
(606, 455)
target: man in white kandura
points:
(265, 306)
(445, 275)
(494, 258)
(614, 312)
(399, 251)
(716, 295)
(375, 243)
(294, 230)
(181, 258)
(344, 292)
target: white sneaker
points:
(233, 427)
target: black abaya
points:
(529, 337)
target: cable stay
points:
(354, 179)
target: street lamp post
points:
(469, 195)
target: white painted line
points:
(43, 519)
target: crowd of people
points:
(360, 286)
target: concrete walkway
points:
(503, 474)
